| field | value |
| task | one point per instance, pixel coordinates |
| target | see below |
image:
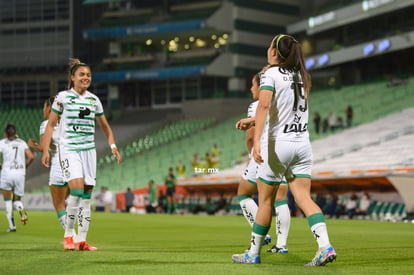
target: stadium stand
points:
(150, 157)
(370, 145)
(166, 134)
(325, 149)
(370, 101)
(27, 120)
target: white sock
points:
(255, 244)
(249, 208)
(18, 205)
(62, 221)
(9, 214)
(321, 235)
(71, 213)
(282, 224)
(84, 219)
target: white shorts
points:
(56, 174)
(13, 182)
(285, 160)
(250, 173)
(79, 165)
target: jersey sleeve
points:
(267, 82)
(250, 110)
(57, 106)
(42, 128)
(99, 111)
(24, 145)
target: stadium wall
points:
(405, 186)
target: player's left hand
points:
(117, 155)
(244, 124)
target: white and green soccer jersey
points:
(77, 119)
(288, 112)
(251, 111)
(14, 157)
(53, 144)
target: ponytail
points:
(290, 57)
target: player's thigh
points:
(19, 182)
(72, 168)
(89, 165)
(56, 174)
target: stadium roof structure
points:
(138, 30)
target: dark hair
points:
(10, 131)
(290, 57)
(74, 65)
(50, 100)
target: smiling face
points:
(81, 79)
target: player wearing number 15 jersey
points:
(284, 90)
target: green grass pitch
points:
(174, 244)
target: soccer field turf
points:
(174, 244)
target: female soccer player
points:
(248, 186)
(284, 91)
(77, 109)
(16, 158)
(58, 187)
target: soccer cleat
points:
(245, 259)
(11, 230)
(322, 258)
(23, 216)
(85, 246)
(267, 240)
(275, 249)
(68, 243)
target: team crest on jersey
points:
(92, 100)
(67, 173)
(297, 118)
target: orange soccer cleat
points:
(85, 246)
(68, 243)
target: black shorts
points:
(170, 191)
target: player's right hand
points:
(46, 159)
